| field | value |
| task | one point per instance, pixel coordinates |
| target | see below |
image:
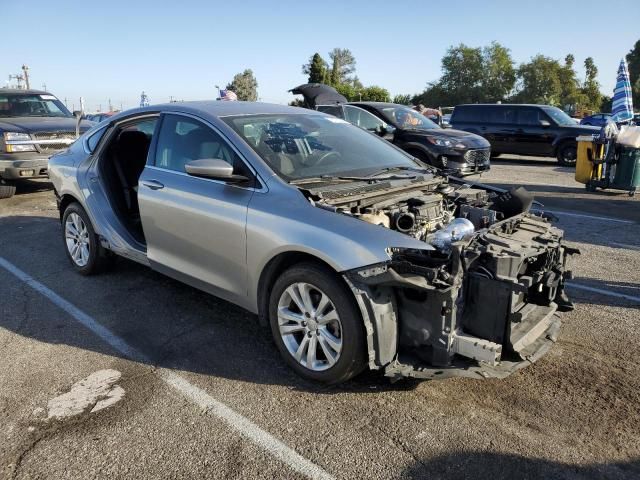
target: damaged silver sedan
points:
(356, 254)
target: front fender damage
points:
(487, 309)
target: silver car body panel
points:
(248, 227)
(221, 238)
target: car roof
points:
(503, 105)
(379, 104)
(216, 108)
(24, 91)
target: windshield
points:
(306, 146)
(30, 105)
(559, 116)
(404, 117)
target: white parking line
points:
(625, 245)
(603, 292)
(592, 217)
(242, 425)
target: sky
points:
(117, 49)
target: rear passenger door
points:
(195, 227)
(501, 128)
(532, 137)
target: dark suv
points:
(539, 130)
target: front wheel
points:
(7, 190)
(567, 154)
(83, 248)
(316, 324)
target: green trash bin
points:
(627, 171)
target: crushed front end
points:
(487, 309)
(482, 299)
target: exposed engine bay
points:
(482, 299)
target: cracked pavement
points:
(574, 414)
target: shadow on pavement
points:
(495, 466)
(173, 324)
(33, 186)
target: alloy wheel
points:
(77, 239)
(310, 326)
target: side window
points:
(470, 114)
(92, 141)
(529, 116)
(334, 110)
(182, 139)
(502, 115)
(362, 118)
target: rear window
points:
(469, 114)
(334, 110)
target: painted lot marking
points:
(625, 245)
(237, 422)
(592, 217)
(601, 291)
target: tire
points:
(7, 190)
(304, 329)
(567, 154)
(91, 259)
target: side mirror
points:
(214, 168)
(545, 123)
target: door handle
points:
(153, 184)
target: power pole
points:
(25, 69)
(44, 87)
(18, 79)
(110, 106)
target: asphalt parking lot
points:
(195, 388)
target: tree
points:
(633, 63)
(472, 75)
(591, 87)
(539, 81)
(375, 94)
(462, 73)
(402, 99)
(245, 86)
(343, 64)
(499, 73)
(316, 69)
(571, 97)
(348, 91)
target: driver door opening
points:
(120, 168)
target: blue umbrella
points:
(622, 105)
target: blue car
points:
(597, 119)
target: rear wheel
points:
(316, 324)
(7, 189)
(567, 154)
(83, 248)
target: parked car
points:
(598, 119)
(360, 118)
(355, 253)
(455, 151)
(33, 125)
(538, 130)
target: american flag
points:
(228, 95)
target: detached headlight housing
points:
(441, 142)
(13, 142)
